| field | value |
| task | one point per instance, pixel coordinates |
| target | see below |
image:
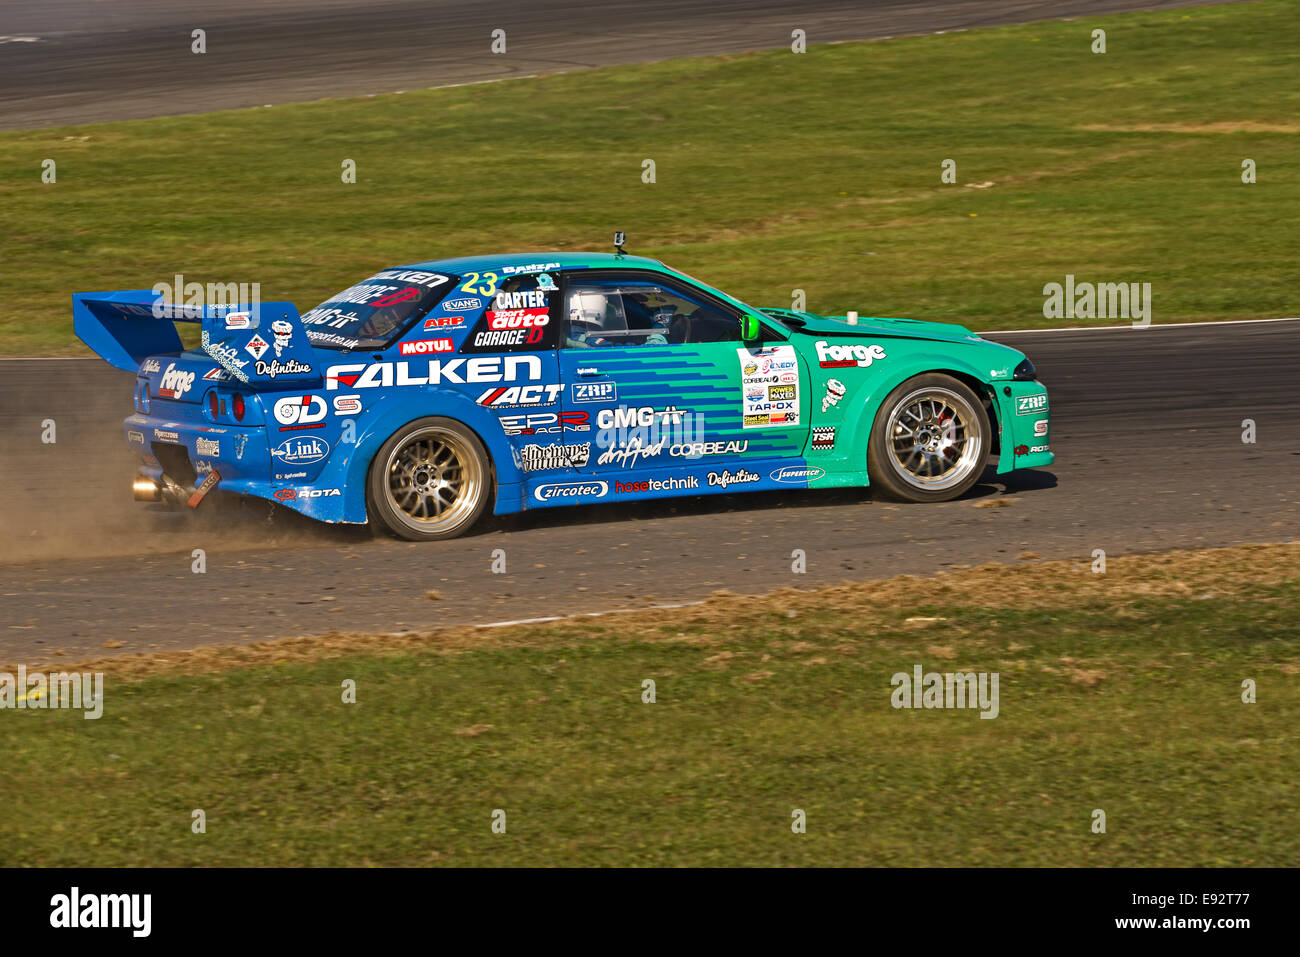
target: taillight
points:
(237, 404)
(214, 405)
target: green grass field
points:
(775, 171)
(1119, 692)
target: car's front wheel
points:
(431, 480)
(930, 440)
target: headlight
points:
(1025, 371)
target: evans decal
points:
(460, 305)
(570, 491)
(794, 474)
(300, 410)
(301, 450)
(842, 356)
(459, 370)
(175, 382)
(1029, 404)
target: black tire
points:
(944, 453)
(431, 480)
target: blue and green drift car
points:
(425, 395)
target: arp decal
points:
(1029, 404)
(844, 356)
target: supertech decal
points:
(422, 397)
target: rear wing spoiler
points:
(254, 343)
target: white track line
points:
(996, 332)
(1133, 328)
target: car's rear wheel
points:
(431, 480)
(930, 440)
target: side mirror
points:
(750, 328)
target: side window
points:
(601, 312)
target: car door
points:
(677, 403)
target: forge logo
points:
(844, 356)
(175, 382)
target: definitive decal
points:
(742, 477)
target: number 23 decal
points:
(485, 284)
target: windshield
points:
(371, 313)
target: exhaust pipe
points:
(145, 489)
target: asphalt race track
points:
(85, 61)
(1147, 428)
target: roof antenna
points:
(619, 239)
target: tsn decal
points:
(459, 371)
